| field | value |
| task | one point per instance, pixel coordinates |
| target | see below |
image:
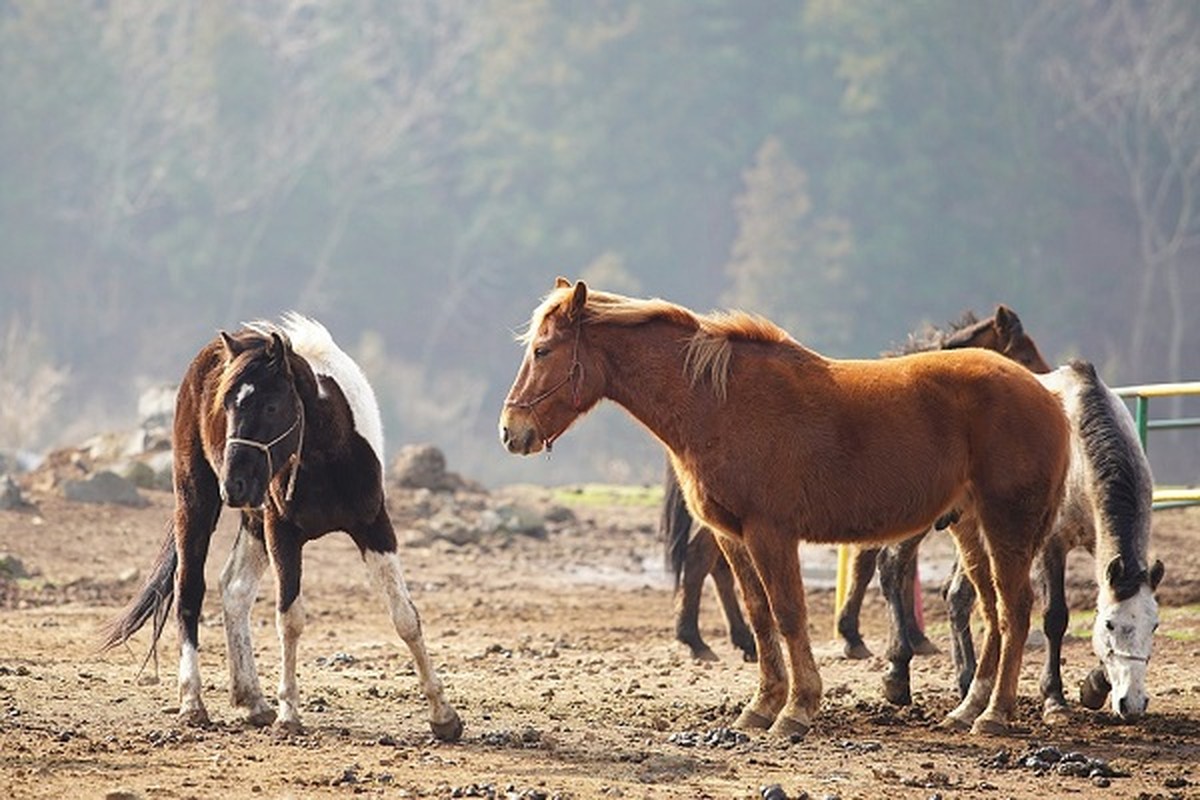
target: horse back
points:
(871, 451)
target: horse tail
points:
(153, 601)
(675, 524)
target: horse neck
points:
(644, 373)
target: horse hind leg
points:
(239, 587)
(909, 550)
(897, 687)
(388, 578)
(701, 557)
(1054, 624)
(862, 568)
(959, 595)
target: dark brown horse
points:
(693, 555)
(281, 424)
(774, 443)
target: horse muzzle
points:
(243, 493)
(521, 440)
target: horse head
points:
(264, 416)
(555, 383)
(1012, 341)
(1122, 638)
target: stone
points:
(104, 487)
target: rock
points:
(423, 466)
(12, 567)
(448, 526)
(522, 519)
(11, 498)
(104, 487)
(122, 794)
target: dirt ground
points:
(557, 652)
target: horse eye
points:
(541, 352)
(1155, 627)
(272, 408)
(1110, 625)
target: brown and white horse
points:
(279, 423)
(774, 443)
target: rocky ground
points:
(549, 618)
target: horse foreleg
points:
(862, 569)
(284, 546)
(1010, 570)
(771, 693)
(702, 554)
(239, 587)
(959, 595)
(195, 517)
(739, 632)
(897, 687)
(973, 558)
(778, 563)
(1054, 625)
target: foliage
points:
(416, 173)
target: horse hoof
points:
(1093, 690)
(704, 654)
(261, 718)
(448, 731)
(789, 727)
(752, 720)
(195, 718)
(285, 728)
(1055, 714)
(989, 726)
(896, 692)
(954, 724)
(924, 647)
(856, 651)
(750, 656)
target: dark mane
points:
(1115, 469)
(930, 337)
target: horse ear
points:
(1008, 323)
(1114, 571)
(232, 346)
(561, 283)
(578, 301)
(1156, 574)
(277, 350)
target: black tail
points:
(153, 601)
(676, 524)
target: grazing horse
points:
(694, 555)
(774, 443)
(1107, 510)
(280, 423)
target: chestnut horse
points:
(693, 555)
(280, 423)
(774, 443)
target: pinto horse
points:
(280, 423)
(693, 556)
(774, 443)
(1107, 510)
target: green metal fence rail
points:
(1163, 498)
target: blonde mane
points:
(709, 348)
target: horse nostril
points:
(504, 435)
(239, 488)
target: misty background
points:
(415, 174)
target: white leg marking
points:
(239, 587)
(388, 578)
(190, 704)
(290, 625)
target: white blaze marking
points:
(245, 391)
